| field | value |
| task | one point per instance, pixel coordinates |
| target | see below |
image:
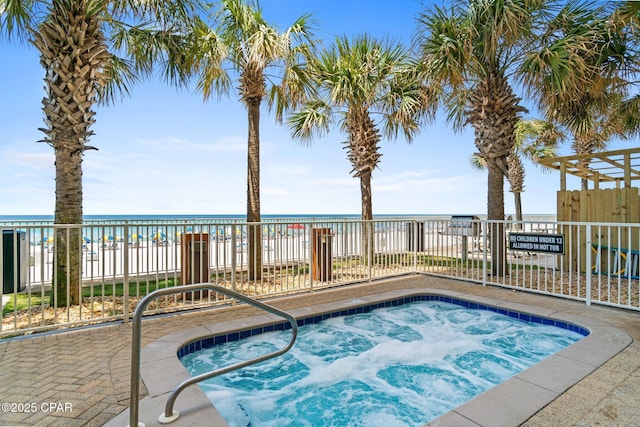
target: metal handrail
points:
(169, 414)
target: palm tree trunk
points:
(495, 211)
(74, 55)
(253, 191)
(493, 113)
(515, 176)
(68, 245)
(583, 144)
(365, 194)
(367, 216)
(584, 164)
(362, 152)
(517, 199)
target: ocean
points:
(204, 217)
(150, 227)
(237, 217)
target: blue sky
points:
(166, 151)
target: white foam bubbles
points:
(400, 365)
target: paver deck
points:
(81, 377)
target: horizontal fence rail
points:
(121, 262)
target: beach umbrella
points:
(158, 236)
(108, 238)
(85, 239)
(136, 237)
(47, 240)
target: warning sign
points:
(537, 242)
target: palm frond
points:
(311, 121)
(444, 42)
(537, 139)
(477, 162)
(18, 18)
(500, 25)
(629, 113)
(121, 76)
(362, 77)
(455, 104)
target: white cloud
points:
(287, 169)
(336, 183)
(275, 191)
(166, 142)
(418, 182)
(409, 175)
(224, 144)
(29, 159)
(229, 144)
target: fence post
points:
(485, 231)
(234, 255)
(125, 277)
(370, 251)
(309, 252)
(415, 247)
(588, 262)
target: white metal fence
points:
(121, 262)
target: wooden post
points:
(321, 257)
(563, 177)
(195, 261)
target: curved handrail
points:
(169, 414)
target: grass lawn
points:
(22, 301)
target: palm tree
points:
(597, 130)
(481, 50)
(471, 48)
(535, 140)
(74, 40)
(358, 81)
(592, 114)
(626, 22)
(268, 64)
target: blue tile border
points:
(215, 340)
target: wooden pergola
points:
(619, 166)
(619, 203)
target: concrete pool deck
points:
(85, 373)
